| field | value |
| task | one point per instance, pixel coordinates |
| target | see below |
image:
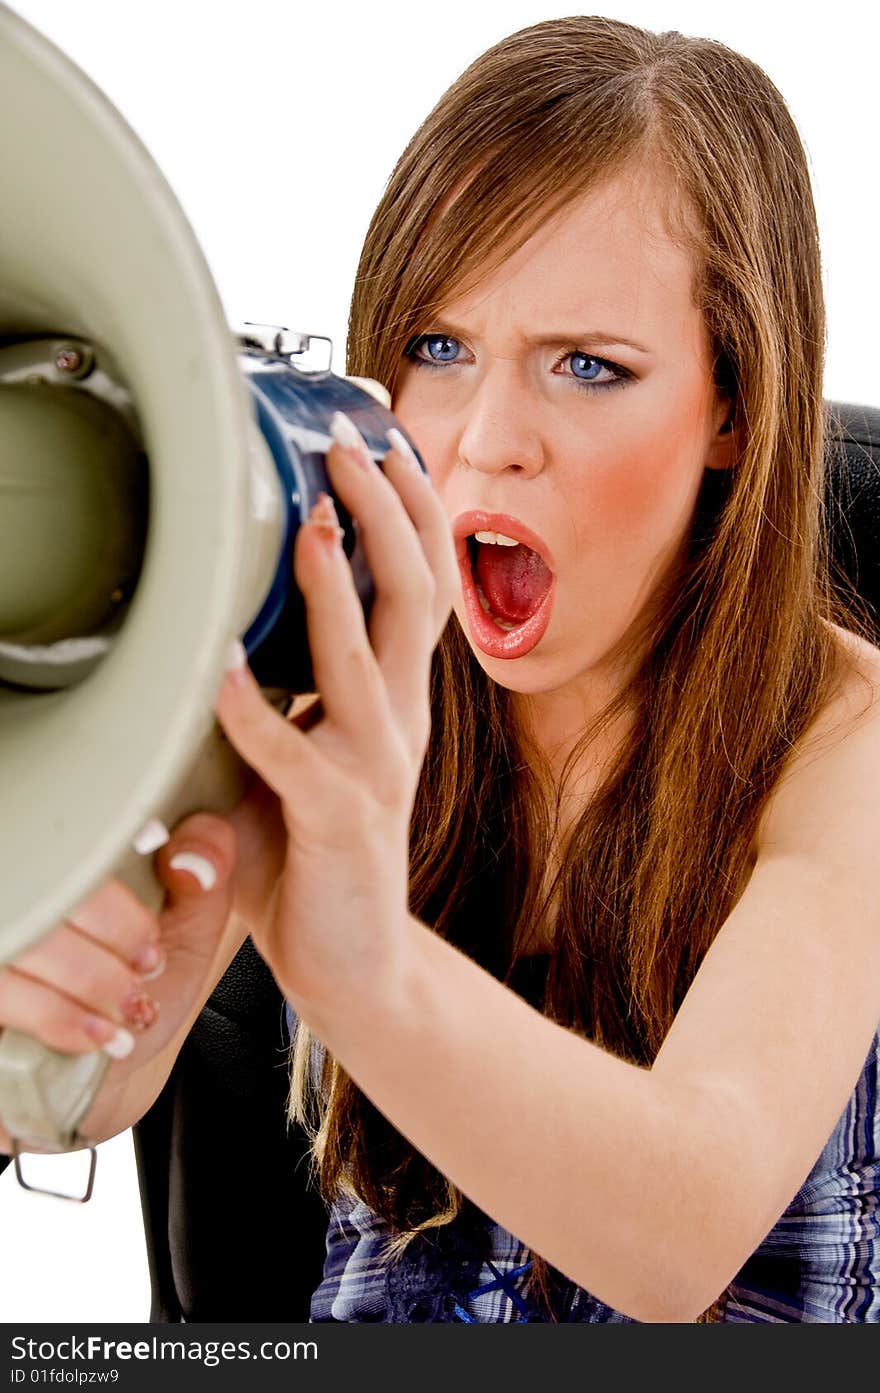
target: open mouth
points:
(510, 582)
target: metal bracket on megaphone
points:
(278, 341)
(281, 342)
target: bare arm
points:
(650, 1188)
(129, 1093)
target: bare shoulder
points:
(857, 701)
(828, 790)
(863, 651)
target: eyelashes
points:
(620, 375)
(411, 350)
(449, 345)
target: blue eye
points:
(585, 370)
(440, 348)
(582, 366)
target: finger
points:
(421, 555)
(197, 860)
(76, 965)
(347, 674)
(363, 678)
(428, 517)
(57, 1020)
(116, 919)
(288, 762)
(346, 669)
(261, 851)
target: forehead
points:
(608, 261)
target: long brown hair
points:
(736, 659)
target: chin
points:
(526, 675)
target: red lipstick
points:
(495, 641)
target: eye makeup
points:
(412, 352)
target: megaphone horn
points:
(153, 472)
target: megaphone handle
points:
(45, 1094)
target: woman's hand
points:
(346, 787)
(115, 976)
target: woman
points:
(568, 907)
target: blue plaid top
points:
(819, 1263)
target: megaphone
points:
(154, 469)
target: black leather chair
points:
(853, 497)
(234, 1231)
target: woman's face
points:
(572, 393)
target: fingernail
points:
(139, 1009)
(99, 1029)
(399, 442)
(120, 1045)
(323, 516)
(157, 970)
(152, 835)
(149, 962)
(197, 866)
(345, 433)
(236, 655)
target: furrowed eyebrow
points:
(596, 338)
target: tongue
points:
(514, 580)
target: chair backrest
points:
(234, 1230)
(853, 499)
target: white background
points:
(277, 123)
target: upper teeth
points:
(497, 539)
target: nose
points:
(499, 430)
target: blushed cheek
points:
(643, 497)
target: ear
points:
(720, 454)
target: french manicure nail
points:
(157, 970)
(197, 866)
(152, 835)
(345, 433)
(120, 1044)
(399, 442)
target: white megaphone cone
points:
(123, 408)
(93, 245)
